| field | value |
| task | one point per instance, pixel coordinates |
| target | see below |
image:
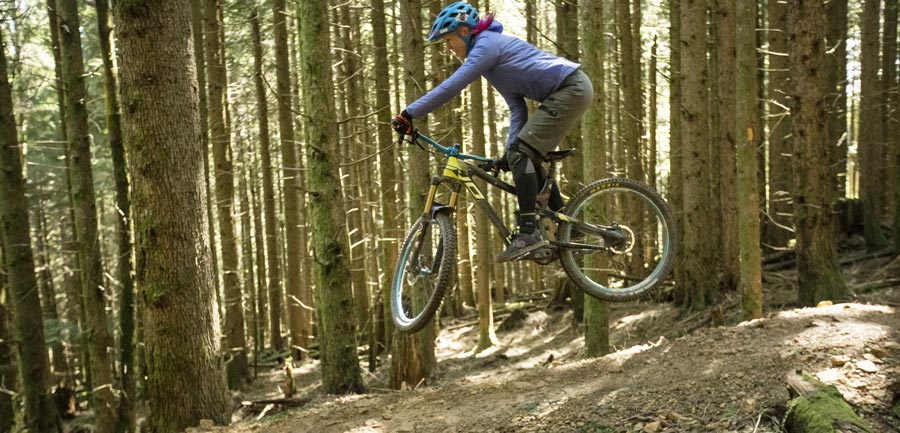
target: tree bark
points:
(49, 309)
(836, 88)
(262, 301)
(890, 92)
(392, 221)
(353, 177)
(220, 137)
(745, 126)
(124, 265)
(781, 220)
(409, 360)
(8, 368)
(337, 342)
(700, 281)
(870, 147)
(818, 273)
(197, 30)
(18, 261)
(297, 315)
(272, 264)
(247, 244)
(99, 339)
(596, 312)
(727, 106)
(483, 256)
(185, 373)
(676, 176)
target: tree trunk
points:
(725, 44)
(676, 177)
(47, 288)
(249, 278)
(70, 286)
(572, 170)
(891, 119)
(262, 300)
(392, 221)
(699, 247)
(8, 370)
(98, 337)
(781, 220)
(28, 330)
(745, 126)
(483, 255)
(818, 273)
(197, 30)
(870, 148)
(290, 176)
(272, 264)
(353, 149)
(337, 342)
(409, 360)
(652, 115)
(173, 268)
(124, 265)
(628, 83)
(836, 88)
(220, 137)
(596, 312)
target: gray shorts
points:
(559, 113)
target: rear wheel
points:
(637, 253)
(424, 271)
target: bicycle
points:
(615, 238)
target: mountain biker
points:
(518, 70)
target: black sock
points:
(527, 223)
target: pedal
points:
(543, 255)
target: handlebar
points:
(446, 151)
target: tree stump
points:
(514, 321)
(819, 408)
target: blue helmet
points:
(451, 18)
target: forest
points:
(202, 205)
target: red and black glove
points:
(403, 123)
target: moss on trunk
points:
(820, 409)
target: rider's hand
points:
(502, 163)
(402, 123)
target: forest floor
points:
(669, 372)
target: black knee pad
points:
(520, 163)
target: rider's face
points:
(456, 43)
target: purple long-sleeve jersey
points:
(517, 69)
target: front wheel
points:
(424, 271)
(634, 250)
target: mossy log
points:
(819, 408)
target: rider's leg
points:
(556, 115)
(554, 118)
(526, 180)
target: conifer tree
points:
(334, 314)
(174, 272)
(18, 262)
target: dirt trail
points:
(724, 379)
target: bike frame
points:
(459, 172)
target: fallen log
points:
(876, 285)
(819, 408)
